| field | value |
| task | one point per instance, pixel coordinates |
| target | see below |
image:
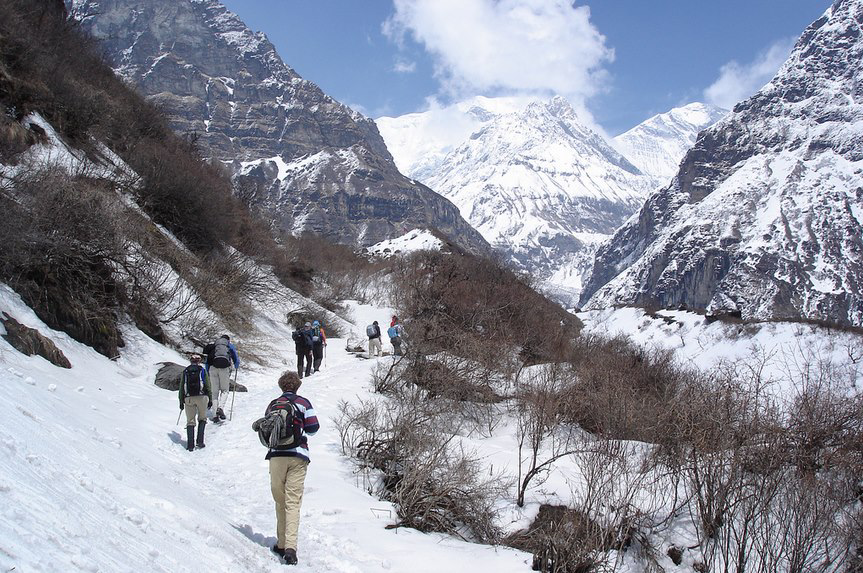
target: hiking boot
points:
(220, 414)
(201, 425)
(278, 551)
(290, 556)
(190, 438)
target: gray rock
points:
(30, 341)
(170, 375)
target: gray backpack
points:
(282, 426)
(221, 354)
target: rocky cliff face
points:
(764, 215)
(305, 160)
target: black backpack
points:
(221, 354)
(282, 426)
(193, 380)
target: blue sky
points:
(620, 61)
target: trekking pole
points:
(178, 418)
(233, 395)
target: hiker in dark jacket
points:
(288, 467)
(375, 346)
(220, 355)
(195, 397)
(319, 340)
(303, 341)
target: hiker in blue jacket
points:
(395, 332)
(288, 467)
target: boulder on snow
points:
(169, 375)
(30, 341)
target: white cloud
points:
(506, 46)
(737, 82)
(404, 66)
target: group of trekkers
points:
(287, 422)
(395, 332)
(204, 384)
(310, 342)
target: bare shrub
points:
(434, 483)
(60, 246)
(562, 540)
(475, 308)
(542, 434)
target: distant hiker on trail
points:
(303, 342)
(373, 331)
(195, 398)
(288, 468)
(319, 340)
(395, 332)
(220, 355)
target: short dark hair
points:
(289, 381)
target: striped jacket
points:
(310, 427)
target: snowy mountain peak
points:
(537, 183)
(657, 145)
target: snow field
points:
(94, 475)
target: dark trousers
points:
(307, 358)
(318, 354)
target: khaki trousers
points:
(375, 347)
(287, 478)
(220, 383)
(196, 405)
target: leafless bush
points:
(543, 436)
(60, 243)
(475, 308)
(434, 483)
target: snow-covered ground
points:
(782, 350)
(94, 475)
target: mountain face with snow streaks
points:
(764, 215)
(657, 145)
(304, 160)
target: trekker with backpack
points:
(319, 340)
(395, 332)
(373, 331)
(195, 398)
(302, 338)
(287, 422)
(220, 355)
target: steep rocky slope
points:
(309, 162)
(764, 215)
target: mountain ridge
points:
(763, 217)
(227, 88)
